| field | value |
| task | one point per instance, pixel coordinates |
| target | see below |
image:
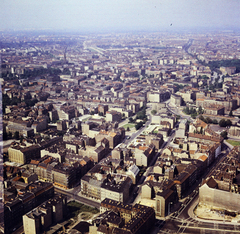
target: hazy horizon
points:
(119, 15)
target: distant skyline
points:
(119, 15)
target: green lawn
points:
(129, 125)
(234, 143)
(76, 208)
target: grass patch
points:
(85, 120)
(76, 208)
(128, 126)
(234, 143)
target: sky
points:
(113, 15)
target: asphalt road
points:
(137, 133)
(176, 110)
(71, 196)
(182, 219)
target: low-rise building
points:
(106, 181)
(144, 155)
(113, 116)
(20, 154)
(120, 218)
(41, 218)
(176, 99)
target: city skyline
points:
(130, 120)
(98, 16)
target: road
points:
(150, 168)
(137, 133)
(176, 110)
(74, 196)
(179, 221)
(182, 218)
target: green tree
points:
(215, 121)
(186, 110)
(9, 135)
(200, 110)
(228, 122)
(31, 102)
(224, 134)
(208, 120)
(202, 118)
(153, 112)
(142, 114)
(131, 120)
(60, 133)
(139, 125)
(21, 138)
(222, 123)
(16, 135)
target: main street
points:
(176, 110)
(74, 196)
(182, 219)
(73, 193)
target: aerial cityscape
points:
(120, 117)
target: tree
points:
(186, 110)
(142, 114)
(100, 113)
(31, 102)
(208, 120)
(60, 133)
(228, 122)
(139, 125)
(222, 123)
(215, 121)
(131, 120)
(9, 135)
(16, 135)
(178, 117)
(128, 129)
(200, 110)
(21, 138)
(153, 112)
(224, 134)
(202, 118)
